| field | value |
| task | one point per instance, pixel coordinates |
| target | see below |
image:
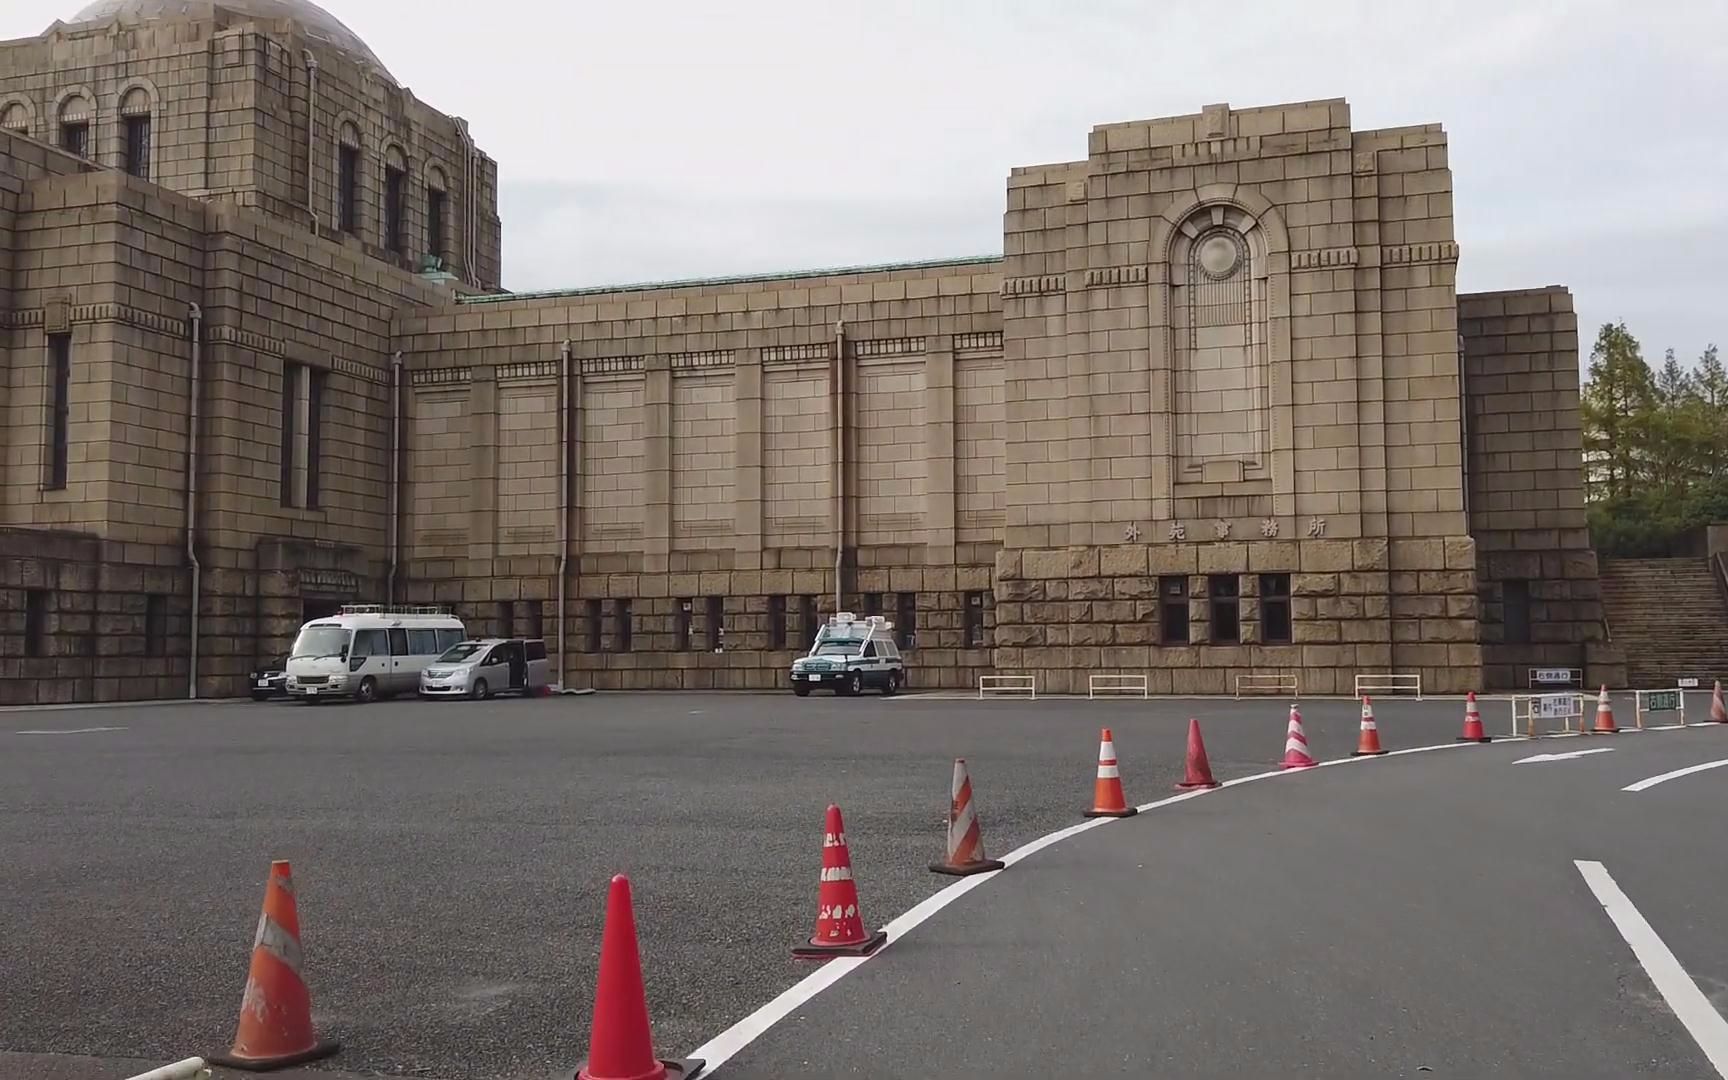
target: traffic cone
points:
(839, 923)
(1604, 715)
(1199, 767)
(621, 1045)
(1473, 722)
(1296, 754)
(1368, 742)
(1107, 797)
(275, 1029)
(1718, 711)
(965, 835)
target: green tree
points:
(1616, 406)
(1673, 382)
(1711, 380)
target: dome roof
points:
(316, 23)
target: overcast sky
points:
(668, 139)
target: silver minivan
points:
(486, 666)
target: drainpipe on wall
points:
(839, 458)
(395, 472)
(564, 449)
(311, 127)
(194, 392)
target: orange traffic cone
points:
(1107, 797)
(1473, 722)
(1368, 742)
(1604, 715)
(965, 835)
(1296, 755)
(621, 1044)
(275, 1029)
(1718, 711)
(1199, 766)
(839, 923)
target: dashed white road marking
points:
(1647, 784)
(1571, 755)
(68, 731)
(1700, 1018)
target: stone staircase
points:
(1668, 617)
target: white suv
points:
(851, 655)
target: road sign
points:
(1552, 676)
(1688, 684)
(1661, 700)
(1554, 706)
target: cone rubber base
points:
(863, 948)
(281, 1061)
(1185, 786)
(680, 1069)
(1466, 738)
(983, 866)
(1369, 753)
(1130, 812)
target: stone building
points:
(1217, 409)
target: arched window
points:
(135, 131)
(395, 192)
(437, 212)
(15, 118)
(75, 117)
(348, 180)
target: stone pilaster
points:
(657, 463)
(939, 487)
(747, 459)
(482, 474)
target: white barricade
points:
(1654, 701)
(1556, 678)
(1279, 685)
(189, 1069)
(1388, 683)
(1009, 684)
(1115, 684)
(1527, 709)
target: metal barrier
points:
(1653, 701)
(1529, 708)
(1009, 684)
(1115, 684)
(1558, 678)
(1278, 685)
(1388, 683)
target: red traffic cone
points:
(1604, 715)
(621, 1046)
(1718, 711)
(839, 923)
(1199, 767)
(1473, 722)
(965, 835)
(1368, 742)
(1107, 797)
(275, 1029)
(1296, 755)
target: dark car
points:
(270, 681)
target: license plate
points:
(311, 691)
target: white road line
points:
(1646, 785)
(69, 731)
(1707, 1027)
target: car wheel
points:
(892, 686)
(801, 689)
(367, 692)
(480, 692)
(854, 684)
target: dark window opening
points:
(906, 620)
(776, 622)
(395, 181)
(290, 431)
(36, 622)
(974, 620)
(436, 202)
(1515, 602)
(1223, 594)
(348, 189)
(807, 620)
(506, 618)
(75, 138)
(594, 629)
(621, 640)
(533, 621)
(399, 642)
(314, 432)
(716, 623)
(155, 625)
(685, 640)
(873, 603)
(1275, 609)
(1173, 610)
(302, 423)
(59, 411)
(138, 146)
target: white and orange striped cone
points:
(275, 1029)
(1368, 742)
(1296, 755)
(1473, 722)
(965, 835)
(1718, 711)
(1107, 797)
(839, 921)
(1604, 715)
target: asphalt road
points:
(451, 859)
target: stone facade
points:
(1207, 416)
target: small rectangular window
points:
(776, 622)
(395, 181)
(1223, 595)
(622, 628)
(686, 625)
(399, 642)
(436, 201)
(906, 620)
(348, 189)
(35, 622)
(873, 603)
(155, 625)
(1275, 609)
(448, 638)
(1515, 602)
(423, 643)
(1173, 610)
(138, 146)
(75, 138)
(59, 411)
(369, 643)
(973, 618)
(716, 623)
(594, 628)
(807, 621)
